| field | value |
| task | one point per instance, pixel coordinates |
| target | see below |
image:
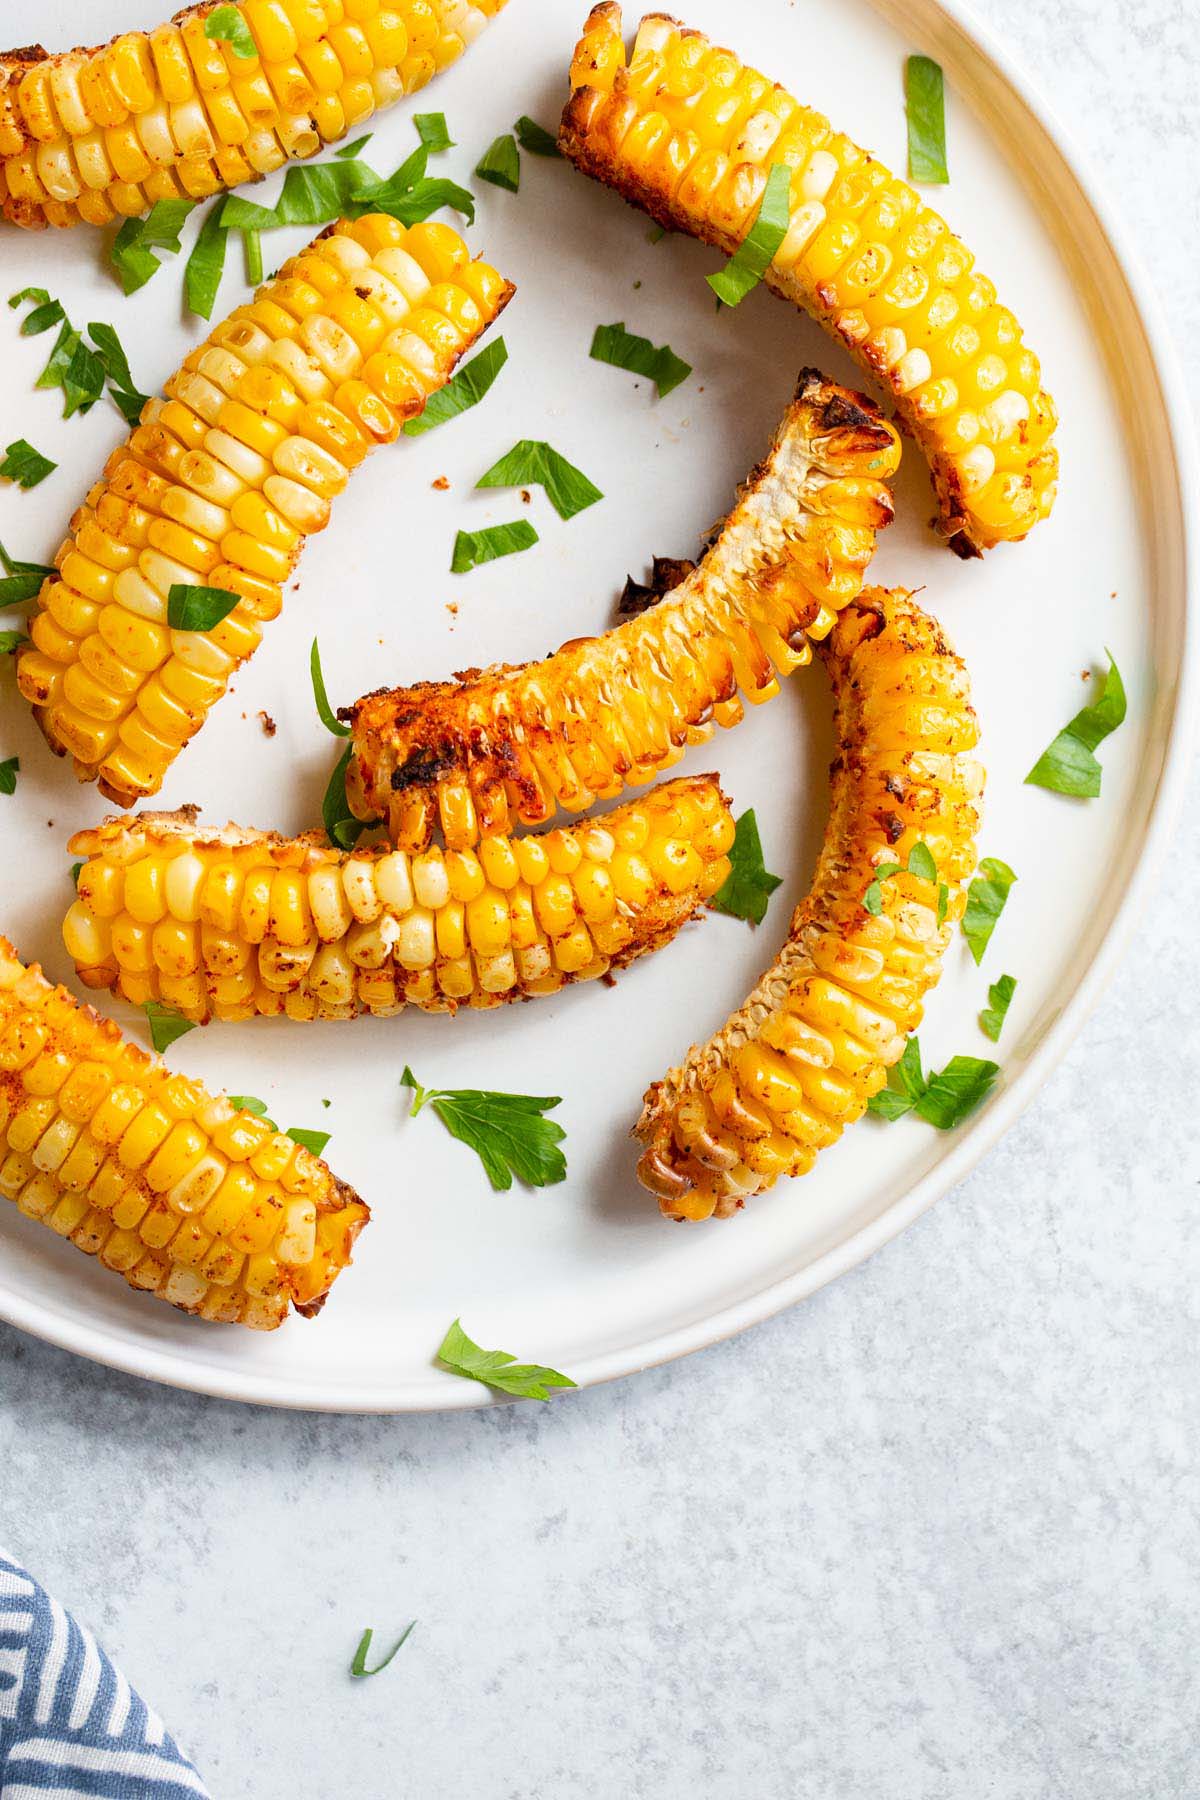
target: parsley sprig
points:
(944, 1099)
(507, 1132)
(747, 889)
(497, 1369)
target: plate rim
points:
(98, 1344)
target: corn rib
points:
(799, 1061)
(232, 923)
(186, 1196)
(222, 481)
(687, 132)
(96, 134)
(470, 754)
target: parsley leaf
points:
(1068, 765)
(348, 151)
(501, 163)
(748, 887)
(925, 99)
(76, 872)
(308, 1140)
(752, 258)
(474, 547)
(624, 350)
(8, 775)
(462, 391)
(986, 898)
(252, 1104)
(25, 465)
(873, 898)
(341, 826)
(496, 1368)
(431, 129)
(166, 1025)
(198, 608)
(132, 253)
(319, 192)
(22, 580)
(206, 264)
(115, 364)
(11, 641)
(328, 717)
(920, 863)
(535, 138)
(991, 1019)
(944, 1099)
(534, 463)
(225, 24)
(506, 1131)
(359, 1669)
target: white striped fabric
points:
(70, 1725)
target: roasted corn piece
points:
(232, 923)
(222, 481)
(186, 1196)
(623, 707)
(686, 131)
(173, 114)
(817, 1036)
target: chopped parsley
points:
(986, 900)
(944, 1099)
(747, 889)
(474, 547)
(25, 465)
(1069, 765)
(752, 258)
(132, 254)
(359, 1669)
(534, 463)
(166, 1025)
(432, 131)
(8, 775)
(463, 390)
(925, 96)
(198, 608)
(507, 1132)
(991, 1019)
(535, 138)
(625, 350)
(501, 163)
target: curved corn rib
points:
(222, 481)
(815, 1039)
(687, 132)
(623, 707)
(170, 114)
(227, 924)
(184, 1195)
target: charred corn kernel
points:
(167, 105)
(133, 1165)
(815, 1039)
(688, 132)
(514, 744)
(218, 488)
(231, 923)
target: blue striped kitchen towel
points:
(70, 1725)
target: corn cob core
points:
(222, 481)
(686, 131)
(623, 707)
(815, 1039)
(184, 1195)
(170, 114)
(234, 923)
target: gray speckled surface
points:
(933, 1534)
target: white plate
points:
(586, 1276)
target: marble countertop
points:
(933, 1534)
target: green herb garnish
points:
(115, 364)
(319, 192)
(624, 350)
(986, 898)
(11, 641)
(752, 258)
(22, 580)
(308, 1140)
(359, 1669)
(501, 163)
(252, 246)
(198, 608)
(71, 365)
(76, 871)
(462, 391)
(328, 717)
(944, 1099)
(348, 151)
(535, 463)
(226, 25)
(25, 465)
(925, 97)
(748, 887)
(506, 1131)
(991, 1019)
(474, 547)
(919, 862)
(497, 1369)
(535, 138)
(252, 1104)
(206, 264)
(166, 1025)
(1069, 766)
(8, 775)
(132, 254)
(431, 129)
